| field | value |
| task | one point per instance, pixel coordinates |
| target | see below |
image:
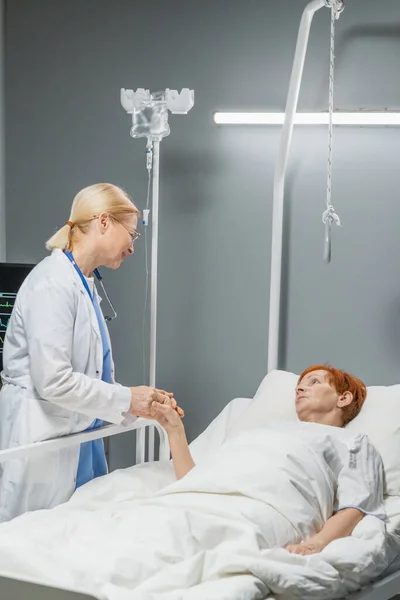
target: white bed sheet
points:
(103, 540)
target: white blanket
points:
(215, 534)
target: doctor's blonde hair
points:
(88, 204)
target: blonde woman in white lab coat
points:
(58, 375)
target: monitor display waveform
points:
(12, 276)
(6, 304)
(4, 322)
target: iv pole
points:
(176, 103)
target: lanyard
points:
(99, 279)
(81, 275)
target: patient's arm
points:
(181, 457)
(340, 525)
(171, 421)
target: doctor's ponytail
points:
(87, 204)
(61, 239)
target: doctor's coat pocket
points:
(47, 420)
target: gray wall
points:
(66, 61)
(2, 136)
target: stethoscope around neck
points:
(99, 278)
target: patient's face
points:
(315, 397)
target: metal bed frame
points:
(146, 451)
(145, 430)
(14, 589)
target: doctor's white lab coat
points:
(52, 386)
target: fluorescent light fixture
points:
(339, 118)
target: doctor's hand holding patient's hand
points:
(143, 398)
(168, 415)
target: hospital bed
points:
(148, 446)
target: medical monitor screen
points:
(11, 277)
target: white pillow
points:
(379, 418)
(274, 400)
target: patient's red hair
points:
(343, 382)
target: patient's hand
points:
(305, 548)
(168, 416)
(340, 525)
